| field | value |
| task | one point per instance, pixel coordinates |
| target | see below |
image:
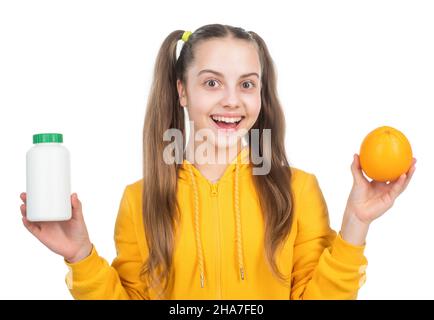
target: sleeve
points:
(325, 265)
(93, 278)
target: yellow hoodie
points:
(219, 245)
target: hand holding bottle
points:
(69, 239)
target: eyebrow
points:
(221, 75)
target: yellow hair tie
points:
(186, 35)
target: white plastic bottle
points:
(48, 180)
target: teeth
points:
(227, 119)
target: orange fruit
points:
(385, 154)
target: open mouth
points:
(227, 122)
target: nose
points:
(231, 98)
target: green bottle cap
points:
(47, 138)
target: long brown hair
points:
(160, 206)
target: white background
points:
(83, 68)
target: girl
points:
(216, 230)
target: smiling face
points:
(223, 90)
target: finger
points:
(397, 186)
(23, 210)
(356, 170)
(76, 206)
(409, 176)
(33, 228)
(23, 197)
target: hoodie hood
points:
(238, 166)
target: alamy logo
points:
(204, 152)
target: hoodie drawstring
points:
(197, 226)
(238, 223)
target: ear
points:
(181, 93)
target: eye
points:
(249, 82)
(211, 81)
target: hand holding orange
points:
(385, 154)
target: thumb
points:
(356, 170)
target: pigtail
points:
(163, 112)
(275, 188)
